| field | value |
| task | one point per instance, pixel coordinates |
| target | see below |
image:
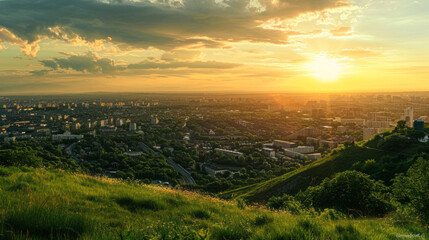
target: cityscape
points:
(214, 120)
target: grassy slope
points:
(40, 204)
(309, 175)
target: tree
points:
(413, 188)
(349, 191)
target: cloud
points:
(89, 63)
(172, 65)
(40, 73)
(163, 24)
(29, 49)
(341, 32)
(356, 53)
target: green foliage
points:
(263, 220)
(46, 221)
(201, 214)
(413, 188)
(58, 205)
(286, 203)
(20, 157)
(350, 192)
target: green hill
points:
(389, 153)
(54, 204)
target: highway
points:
(185, 174)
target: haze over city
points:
(213, 45)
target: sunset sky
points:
(71, 46)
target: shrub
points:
(286, 203)
(349, 191)
(413, 188)
(332, 214)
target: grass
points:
(304, 177)
(53, 204)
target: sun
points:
(325, 69)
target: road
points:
(185, 174)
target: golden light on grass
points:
(325, 69)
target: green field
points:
(54, 204)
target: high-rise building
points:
(419, 125)
(409, 116)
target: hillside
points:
(387, 154)
(52, 204)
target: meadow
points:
(37, 203)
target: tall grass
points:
(52, 204)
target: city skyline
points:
(56, 47)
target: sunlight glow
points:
(325, 69)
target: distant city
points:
(286, 129)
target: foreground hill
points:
(382, 157)
(53, 204)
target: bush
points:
(350, 191)
(263, 220)
(413, 188)
(286, 203)
(332, 214)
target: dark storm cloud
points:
(162, 24)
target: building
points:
(409, 116)
(9, 139)
(293, 154)
(66, 136)
(419, 125)
(312, 141)
(358, 122)
(368, 133)
(154, 121)
(327, 144)
(133, 127)
(229, 152)
(377, 124)
(119, 122)
(302, 149)
(269, 152)
(284, 144)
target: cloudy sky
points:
(70, 46)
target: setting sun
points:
(325, 69)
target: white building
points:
(284, 144)
(66, 136)
(229, 152)
(302, 149)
